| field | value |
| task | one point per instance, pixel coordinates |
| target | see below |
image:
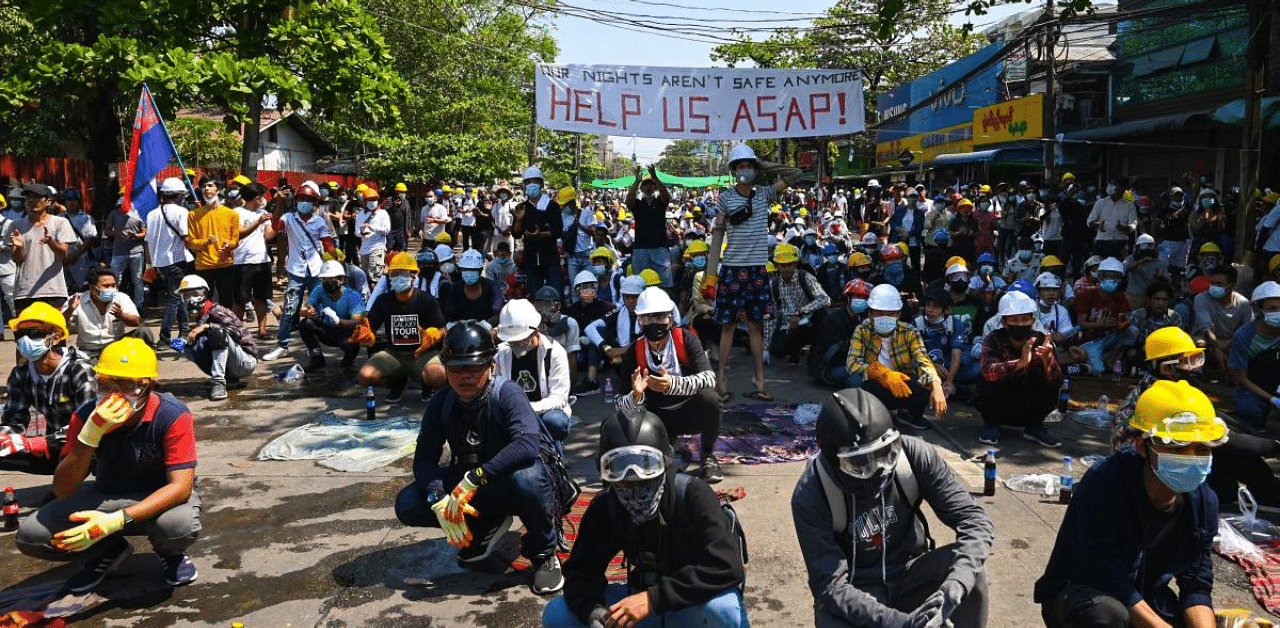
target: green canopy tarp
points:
(668, 179)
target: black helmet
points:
(850, 418)
(938, 295)
(635, 427)
(468, 343)
(546, 293)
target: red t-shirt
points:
(1095, 304)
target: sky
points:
(592, 42)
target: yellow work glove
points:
(893, 381)
(110, 414)
(430, 336)
(458, 503)
(97, 526)
(459, 534)
(363, 334)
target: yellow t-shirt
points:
(220, 223)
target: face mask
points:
(1182, 474)
(959, 285)
(699, 262)
(233, 194)
(1209, 264)
(1024, 256)
(893, 271)
(305, 208)
(984, 205)
(195, 301)
(1047, 303)
(986, 269)
(1271, 318)
(1111, 190)
(810, 240)
(598, 270)
(1109, 285)
(1176, 204)
(858, 305)
(32, 348)
(447, 268)
(1207, 203)
(649, 195)
(210, 199)
(832, 260)
(1217, 292)
(885, 324)
(933, 320)
(471, 277)
(533, 190)
(655, 331)
(746, 175)
(521, 348)
(107, 295)
(330, 286)
(1019, 332)
(641, 499)
(504, 198)
(401, 283)
(324, 193)
(371, 205)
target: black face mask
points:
(959, 286)
(330, 286)
(655, 331)
(1019, 332)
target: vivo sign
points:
(954, 106)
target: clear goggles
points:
(866, 461)
(633, 462)
(1185, 428)
(104, 386)
(1186, 362)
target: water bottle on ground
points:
(608, 390)
(989, 474)
(1065, 482)
(370, 404)
(1064, 395)
(10, 510)
(1117, 369)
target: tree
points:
(619, 166)
(555, 157)
(204, 143)
(684, 158)
(87, 72)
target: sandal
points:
(758, 395)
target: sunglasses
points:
(36, 334)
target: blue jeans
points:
(1252, 409)
(970, 369)
(173, 310)
(657, 259)
(840, 376)
(133, 263)
(299, 288)
(526, 493)
(549, 275)
(1098, 348)
(722, 611)
(557, 424)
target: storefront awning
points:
(1138, 128)
(995, 154)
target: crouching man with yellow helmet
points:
(1140, 520)
(144, 476)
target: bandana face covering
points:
(641, 498)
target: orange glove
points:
(430, 336)
(709, 284)
(893, 381)
(363, 335)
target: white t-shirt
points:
(253, 247)
(95, 330)
(432, 230)
(164, 245)
(467, 213)
(373, 227)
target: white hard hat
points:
(654, 300)
(873, 183)
(517, 320)
(741, 152)
(192, 282)
(444, 253)
(1111, 265)
(471, 259)
(885, 297)
(584, 276)
(957, 268)
(1093, 260)
(1048, 280)
(810, 232)
(1014, 303)
(332, 268)
(633, 285)
(1145, 239)
(309, 188)
(870, 238)
(532, 172)
(172, 185)
(1266, 290)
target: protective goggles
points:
(633, 462)
(105, 385)
(1186, 362)
(866, 461)
(1186, 428)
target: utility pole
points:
(577, 160)
(1255, 77)
(1050, 93)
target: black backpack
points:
(735, 524)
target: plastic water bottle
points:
(1117, 369)
(1065, 481)
(1104, 403)
(370, 404)
(989, 474)
(1064, 395)
(10, 510)
(608, 390)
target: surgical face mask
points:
(934, 320)
(371, 205)
(984, 205)
(649, 195)
(1209, 263)
(1024, 255)
(210, 199)
(858, 305)
(32, 348)
(810, 240)
(1019, 332)
(1109, 285)
(533, 190)
(986, 269)
(502, 197)
(521, 348)
(1217, 292)
(471, 277)
(1111, 190)
(448, 268)
(107, 295)
(1271, 318)
(324, 193)
(401, 283)
(885, 325)
(233, 194)
(330, 286)
(641, 498)
(194, 301)
(1181, 473)
(306, 208)
(746, 175)
(699, 262)
(599, 270)
(1208, 202)
(1176, 204)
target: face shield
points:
(866, 461)
(633, 462)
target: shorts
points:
(402, 364)
(743, 294)
(253, 282)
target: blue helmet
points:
(830, 249)
(987, 258)
(941, 235)
(1025, 287)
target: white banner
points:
(699, 103)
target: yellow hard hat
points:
(403, 261)
(775, 209)
(370, 194)
(956, 259)
(362, 187)
(1176, 412)
(333, 185)
(786, 254)
(964, 202)
(41, 312)
(857, 259)
(804, 212)
(1210, 247)
(444, 238)
(1275, 261)
(446, 189)
(400, 187)
(650, 277)
(1128, 195)
(564, 195)
(1067, 176)
(1051, 261)
(603, 252)
(190, 172)
(697, 247)
(770, 268)
(688, 215)
(129, 358)
(1170, 341)
(986, 189)
(599, 216)
(241, 180)
(623, 215)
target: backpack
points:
(815, 316)
(677, 336)
(735, 524)
(903, 476)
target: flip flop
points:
(758, 395)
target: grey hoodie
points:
(886, 520)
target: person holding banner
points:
(744, 296)
(650, 249)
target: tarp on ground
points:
(669, 180)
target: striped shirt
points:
(747, 243)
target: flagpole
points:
(168, 137)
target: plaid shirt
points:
(906, 351)
(56, 397)
(789, 298)
(999, 360)
(219, 315)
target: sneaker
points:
(179, 571)
(275, 354)
(218, 391)
(990, 435)
(587, 387)
(1038, 434)
(426, 395)
(547, 578)
(918, 423)
(482, 545)
(1076, 370)
(96, 569)
(315, 364)
(396, 392)
(711, 470)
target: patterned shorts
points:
(743, 294)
